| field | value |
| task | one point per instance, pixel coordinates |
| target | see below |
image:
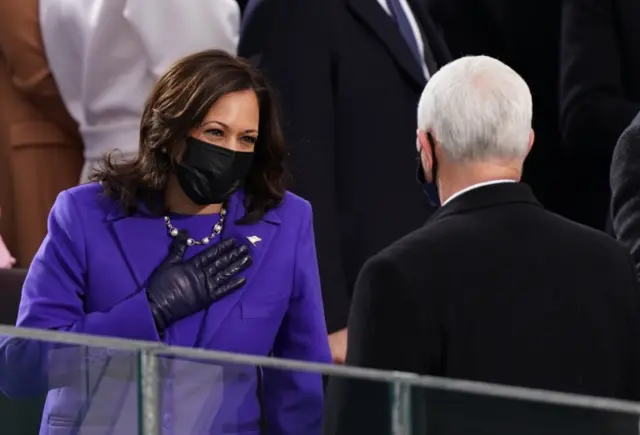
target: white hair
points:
(478, 109)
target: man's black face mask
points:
(430, 188)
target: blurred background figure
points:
(493, 288)
(600, 94)
(40, 149)
(106, 56)
(349, 73)
(511, 31)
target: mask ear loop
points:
(431, 188)
(434, 161)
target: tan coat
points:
(40, 148)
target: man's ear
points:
(425, 152)
(532, 138)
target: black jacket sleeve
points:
(297, 59)
(625, 190)
(593, 107)
(385, 323)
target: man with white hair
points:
(493, 287)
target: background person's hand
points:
(178, 289)
(338, 346)
(6, 260)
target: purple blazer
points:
(89, 276)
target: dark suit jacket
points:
(511, 31)
(242, 4)
(350, 87)
(495, 288)
(600, 88)
(625, 190)
(257, 20)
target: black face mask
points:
(209, 173)
(430, 189)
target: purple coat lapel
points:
(142, 241)
(264, 230)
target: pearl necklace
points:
(217, 229)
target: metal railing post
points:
(401, 408)
(150, 393)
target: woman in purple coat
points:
(194, 243)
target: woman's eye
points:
(250, 139)
(214, 132)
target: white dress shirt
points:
(475, 186)
(414, 27)
(106, 55)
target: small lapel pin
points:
(254, 240)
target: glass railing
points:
(97, 385)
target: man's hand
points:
(338, 345)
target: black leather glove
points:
(178, 289)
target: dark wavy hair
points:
(179, 102)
